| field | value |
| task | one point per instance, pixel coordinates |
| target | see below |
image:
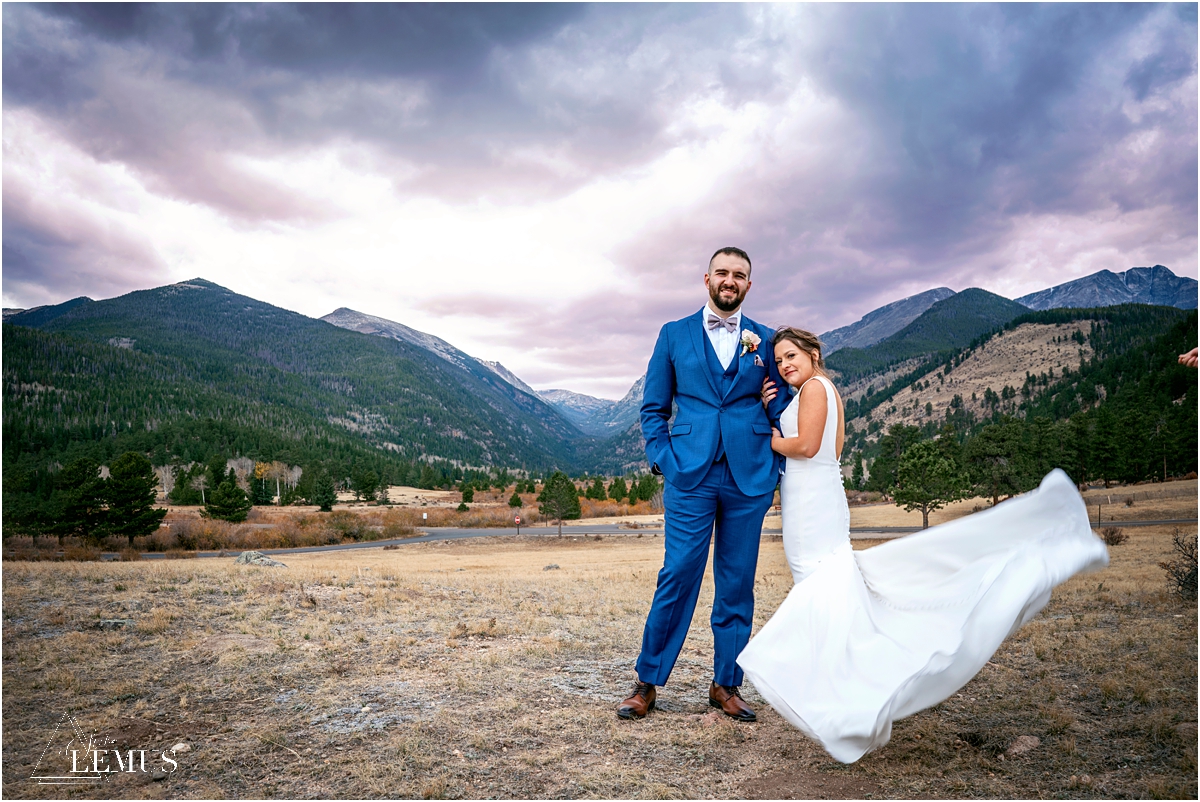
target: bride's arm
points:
(810, 425)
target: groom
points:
(719, 469)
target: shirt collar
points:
(736, 317)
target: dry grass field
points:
(491, 667)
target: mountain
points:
(382, 327)
(243, 361)
(597, 417)
(41, 315)
(883, 322)
(950, 323)
(1156, 285)
(508, 376)
(582, 410)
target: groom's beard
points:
(726, 305)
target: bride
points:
(866, 638)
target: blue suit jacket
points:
(678, 372)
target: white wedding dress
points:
(866, 638)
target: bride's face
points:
(795, 365)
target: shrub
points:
(349, 526)
(1113, 535)
(305, 530)
(203, 534)
(178, 554)
(83, 553)
(462, 507)
(1181, 572)
(396, 529)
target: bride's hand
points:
(768, 392)
(776, 439)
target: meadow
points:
(491, 668)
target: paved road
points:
(577, 530)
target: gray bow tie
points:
(729, 323)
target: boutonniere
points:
(750, 342)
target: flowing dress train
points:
(865, 638)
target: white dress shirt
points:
(724, 342)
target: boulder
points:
(257, 558)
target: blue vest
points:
(723, 378)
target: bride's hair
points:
(806, 341)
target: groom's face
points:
(728, 280)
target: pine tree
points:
(364, 484)
(131, 491)
(515, 500)
(1107, 456)
(634, 487)
(617, 490)
(228, 502)
(856, 476)
(77, 506)
(998, 461)
(927, 481)
(596, 491)
(892, 446)
(648, 489)
(324, 493)
(559, 499)
(468, 494)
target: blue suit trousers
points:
(689, 521)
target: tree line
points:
(1128, 414)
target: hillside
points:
(947, 325)
(479, 368)
(619, 454)
(1097, 392)
(41, 315)
(387, 394)
(65, 397)
(1002, 362)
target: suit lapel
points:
(696, 328)
(747, 325)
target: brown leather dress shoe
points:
(640, 703)
(729, 699)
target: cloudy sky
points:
(543, 184)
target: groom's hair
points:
(729, 250)
(806, 341)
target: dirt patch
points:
(810, 785)
(220, 644)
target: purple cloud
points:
(893, 148)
